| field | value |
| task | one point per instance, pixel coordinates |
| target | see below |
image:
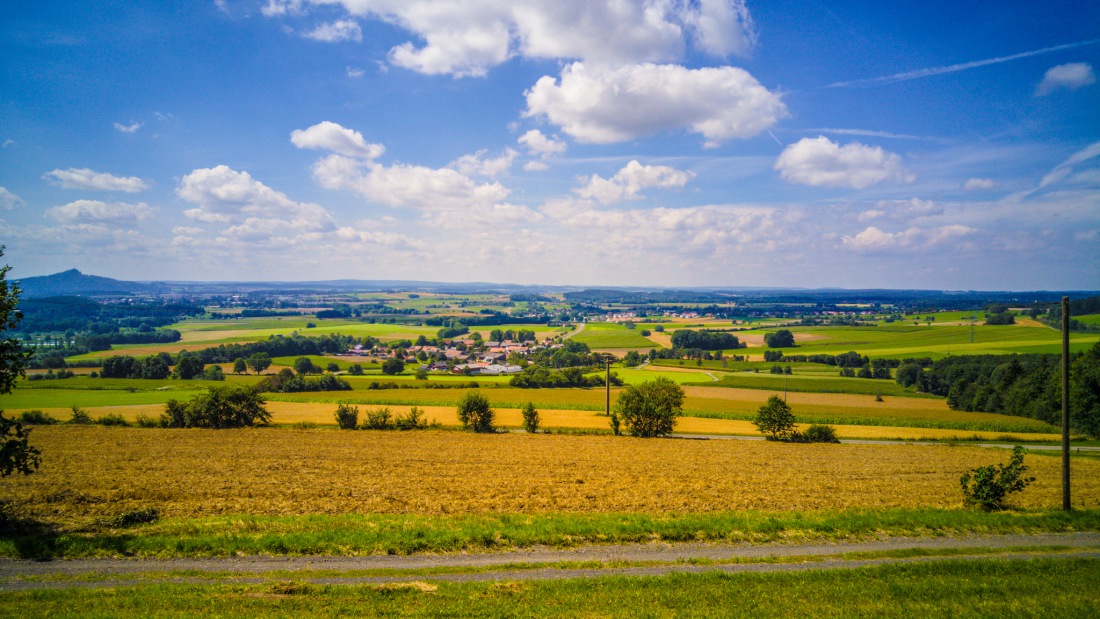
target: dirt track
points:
(662, 559)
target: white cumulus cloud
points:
(331, 136)
(337, 31)
(90, 211)
(914, 238)
(468, 38)
(629, 181)
(402, 185)
(822, 162)
(1069, 76)
(83, 178)
(480, 165)
(613, 105)
(224, 195)
(540, 144)
(9, 199)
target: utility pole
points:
(1065, 404)
(607, 385)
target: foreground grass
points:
(357, 534)
(956, 588)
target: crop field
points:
(605, 335)
(94, 472)
(898, 341)
(121, 396)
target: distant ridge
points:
(75, 283)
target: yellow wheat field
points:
(324, 414)
(89, 472)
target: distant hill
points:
(75, 283)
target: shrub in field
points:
(475, 413)
(414, 420)
(37, 418)
(113, 420)
(650, 408)
(81, 417)
(379, 419)
(987, 486)
(304, 365)
(819, 433)
(213, 372)
(530, 418)
(145, 421)
(775, 419)
(347, 417)
(355, 369)
(219, 407)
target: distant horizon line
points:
(657, 287)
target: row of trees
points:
(1021, 385)
(704, 340)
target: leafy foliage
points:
(704, 340)
(782, 338)
(393, 366)
(650, 408)
(531, 418)
(219, 407)
(347, 417)
(820, 433)
(775, 419)
(475, 413)
(987, 486)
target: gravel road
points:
(668, 558)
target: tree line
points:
(1021, 385)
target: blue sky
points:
(944, 145)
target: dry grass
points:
(91, 472)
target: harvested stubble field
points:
(323, 414)
(92, 472)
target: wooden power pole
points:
(1065, 404)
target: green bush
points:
(987, 486)
(145, 421)
(218, 408)
(37, 418)
(531, 418)
(818, 433)
(414, 420)
(347, 417)
(379, 419)
(475, 413)
(81, 417)
(113, 419)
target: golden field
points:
(89, 472)
(323, 414)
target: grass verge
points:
(355, 534)
(953, 588)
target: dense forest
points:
(1022, 385)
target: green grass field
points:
(603, 335)
(1089, 319)
(935, 341)
(945, 588)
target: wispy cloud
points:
(919, 73)
(871, 133)
(131, 128)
